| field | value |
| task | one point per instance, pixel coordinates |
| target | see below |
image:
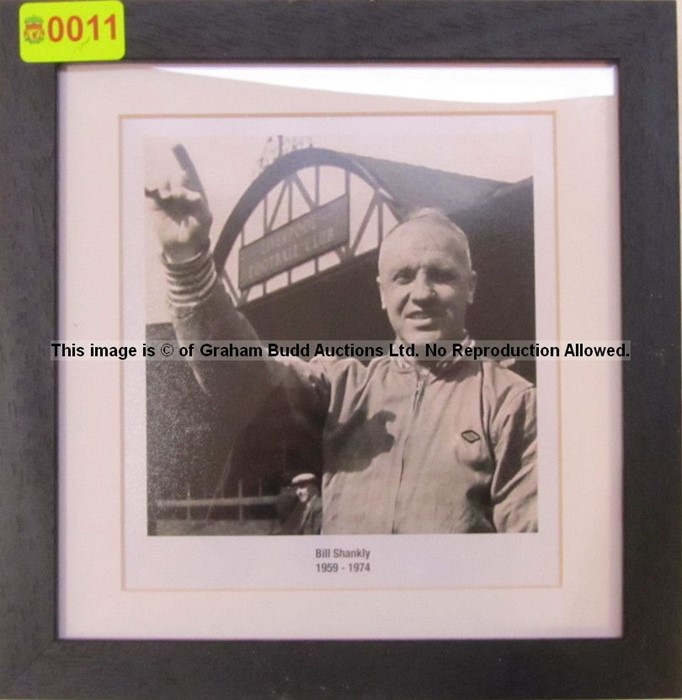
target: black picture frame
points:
(640, 38)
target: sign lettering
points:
(302, 239)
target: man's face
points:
(425, 282)
(305, 492)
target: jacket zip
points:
(416, 402)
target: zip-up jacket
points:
(447, 447)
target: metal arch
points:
(274, 174)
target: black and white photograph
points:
(343, 437)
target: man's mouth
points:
(421, 316)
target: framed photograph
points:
(387, 276)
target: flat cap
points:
(303, 478)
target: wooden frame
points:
(637, 36)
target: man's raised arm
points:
(201, 309)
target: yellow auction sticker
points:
(62, 32)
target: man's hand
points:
(182, 218)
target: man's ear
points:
(473, 281)
(381, 293)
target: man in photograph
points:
(410, 446)
(306, 516)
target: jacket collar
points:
(436, 367)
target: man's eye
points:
(403, 277)
(443, 276)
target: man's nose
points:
(422, 289)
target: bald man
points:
(409, 447)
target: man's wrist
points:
(181, 255)
(191, 280)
